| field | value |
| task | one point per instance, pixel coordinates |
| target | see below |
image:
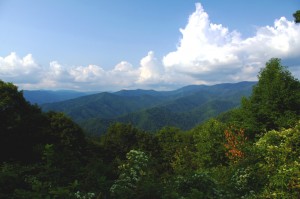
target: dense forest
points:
(248, 152)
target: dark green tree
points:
(209, 141)
(64, 133)
(297, 16)
(168, 140)
(119, 140)
(136, 178)
(275, 100)
(68, 143)
(193, 185)
(21, 125)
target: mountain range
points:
(47, 96)
(150, 110)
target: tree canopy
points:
(275, 100)
(297, 16)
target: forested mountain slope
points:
(150, 110)
(103, 105)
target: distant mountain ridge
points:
(48, 96)
(150, 109)
(102, 105)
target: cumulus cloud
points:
(90, 77)
(150, 69)
(122, 76)
(207, 53)
(211, 53)
(204, 47)
(89, 73)
(19, 70)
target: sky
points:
(109, 45)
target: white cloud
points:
(90, 77)
(207, 53)
(204, 47)
(122, 76)
(150, 70)
(211, 53)
(86, 74)
(123, 66)
(19, 70)
(56, 71)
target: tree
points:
(297, 16)
(209, 141)
(235, 141)
(64, 133)
(20, 127)
(68, 143)
(193, 185)
(134, 176)
(121, 138)
(275, 100)
(169, 140)
(279, 161)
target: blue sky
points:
(117, 44)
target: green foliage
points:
(242, 181)
(48, 155)
(20, 126)
(176, 151)
(194, 186)
(280, 153)
(8, 179)
(121, 138)
(275, 101)
(37, 149)
(80, 195)
(134, 175)
(297, 16)
(209, 141)
(64, 132)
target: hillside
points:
(102, 105)
(150, 110)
